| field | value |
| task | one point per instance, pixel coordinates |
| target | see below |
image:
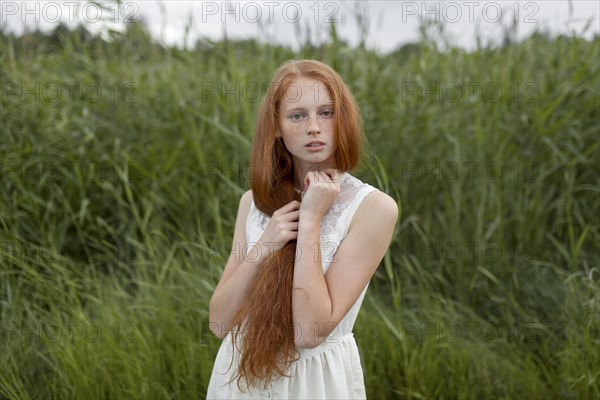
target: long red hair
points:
(264, 321)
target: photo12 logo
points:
(55, 12)
(269, 11)
(52, 332)
(457, 11)
(54, 92)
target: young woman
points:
(313, 236)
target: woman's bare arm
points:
(325, 300)
(239, 272)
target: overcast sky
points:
(390, 23)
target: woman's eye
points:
(328, 113)
(293, 116)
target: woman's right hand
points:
(282, 228)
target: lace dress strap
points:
(353, 193)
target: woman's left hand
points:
(321, 190)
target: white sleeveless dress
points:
(333, 369)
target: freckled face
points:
(306, 124)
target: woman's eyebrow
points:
(304, 109)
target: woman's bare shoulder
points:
(247, 196)
(383, 201)
(245, 202)
(377, 207)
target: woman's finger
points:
(333, 174)
(292, 205)
(308, 179)
(292, 215)
(324, 177)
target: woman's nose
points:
(313, 124)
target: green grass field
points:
(122, 164)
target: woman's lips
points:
(315, 147)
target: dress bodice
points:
(334, 229)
